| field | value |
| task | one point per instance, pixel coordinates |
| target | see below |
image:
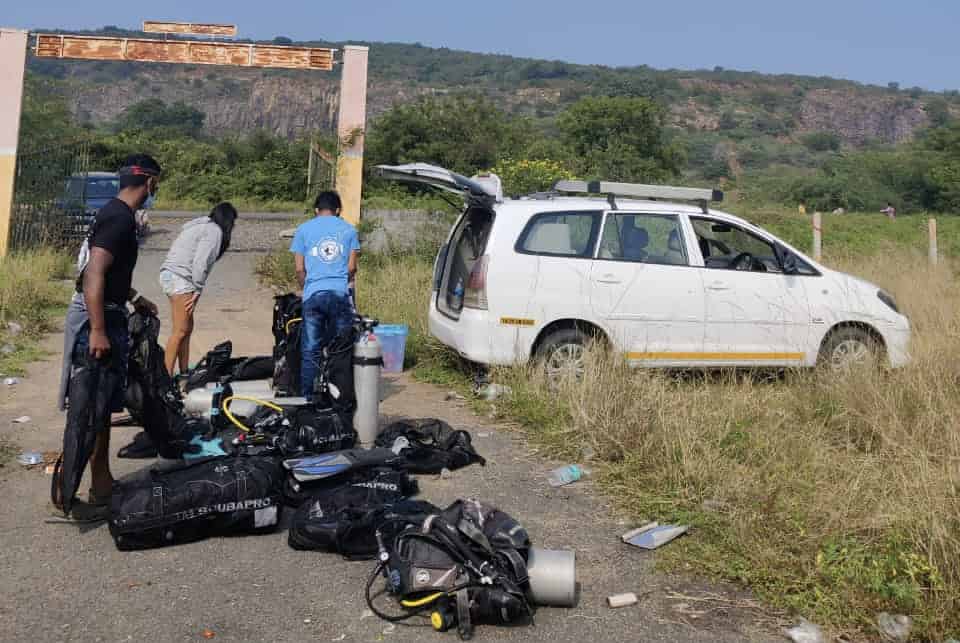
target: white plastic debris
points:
(12, 381)
(805, 632)
(14, 328)
(894, 627)
(491, 392)
(23, 419)
(657, 536)
(642, 529)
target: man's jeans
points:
(325, 315)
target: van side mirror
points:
(788, 261)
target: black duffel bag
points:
(344, 519)
(431, 445)
(218, 496)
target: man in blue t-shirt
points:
(325, 252)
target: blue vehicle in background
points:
(83, 195)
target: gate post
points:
(13, 58)
(351, 126)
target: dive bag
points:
(343, 517)
(299, 430)
(218, 496)
(429, 446)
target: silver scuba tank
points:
(367, 362)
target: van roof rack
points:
(702, 196)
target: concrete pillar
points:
(351, 128)
(13, 58)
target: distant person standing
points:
(200, 244)
(890, 211)
(325, 256)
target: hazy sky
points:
(878, 41)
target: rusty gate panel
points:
(193, 28)
(183, 51)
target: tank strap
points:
(368, 361)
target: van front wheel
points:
(562, 353)
(848, 348)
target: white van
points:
(667, 283)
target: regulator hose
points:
(230, 416)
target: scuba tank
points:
(367, 362)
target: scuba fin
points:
(333, 464)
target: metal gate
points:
(50, 195)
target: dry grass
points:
(32, 293)
(837, 495)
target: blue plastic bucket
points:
(393, 341)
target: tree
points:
(619, 138)
(821, 141)
(938, 111)
(46, 120)
(464, 133)
(154, 114)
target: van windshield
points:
(467, 245)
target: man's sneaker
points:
(86, 512)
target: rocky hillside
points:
(290, 103)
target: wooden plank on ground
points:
(190, 28)
(196, 52)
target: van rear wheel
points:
(562, 353)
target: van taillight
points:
(475, 294)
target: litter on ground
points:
(621, 600)
(657, 536)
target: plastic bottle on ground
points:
(566, 475)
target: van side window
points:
(560, 234)
(644, 238)
(727, 247)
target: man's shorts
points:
(119, 336)
(172, 284)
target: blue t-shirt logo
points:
(328, 250)
(325, 243)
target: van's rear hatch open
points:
(468, 240)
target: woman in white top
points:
(184, 272)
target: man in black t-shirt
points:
(97, 339)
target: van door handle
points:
(719, 285)
(607, 279)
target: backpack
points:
(344, 516)
(432, 445)
(287, 330)
(466, 564)
(217, 496)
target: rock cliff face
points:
(858, 118)
(290, 103)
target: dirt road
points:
(64, 583)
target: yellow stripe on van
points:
(516, 321)
(715, 357)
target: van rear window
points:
(561, 234)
